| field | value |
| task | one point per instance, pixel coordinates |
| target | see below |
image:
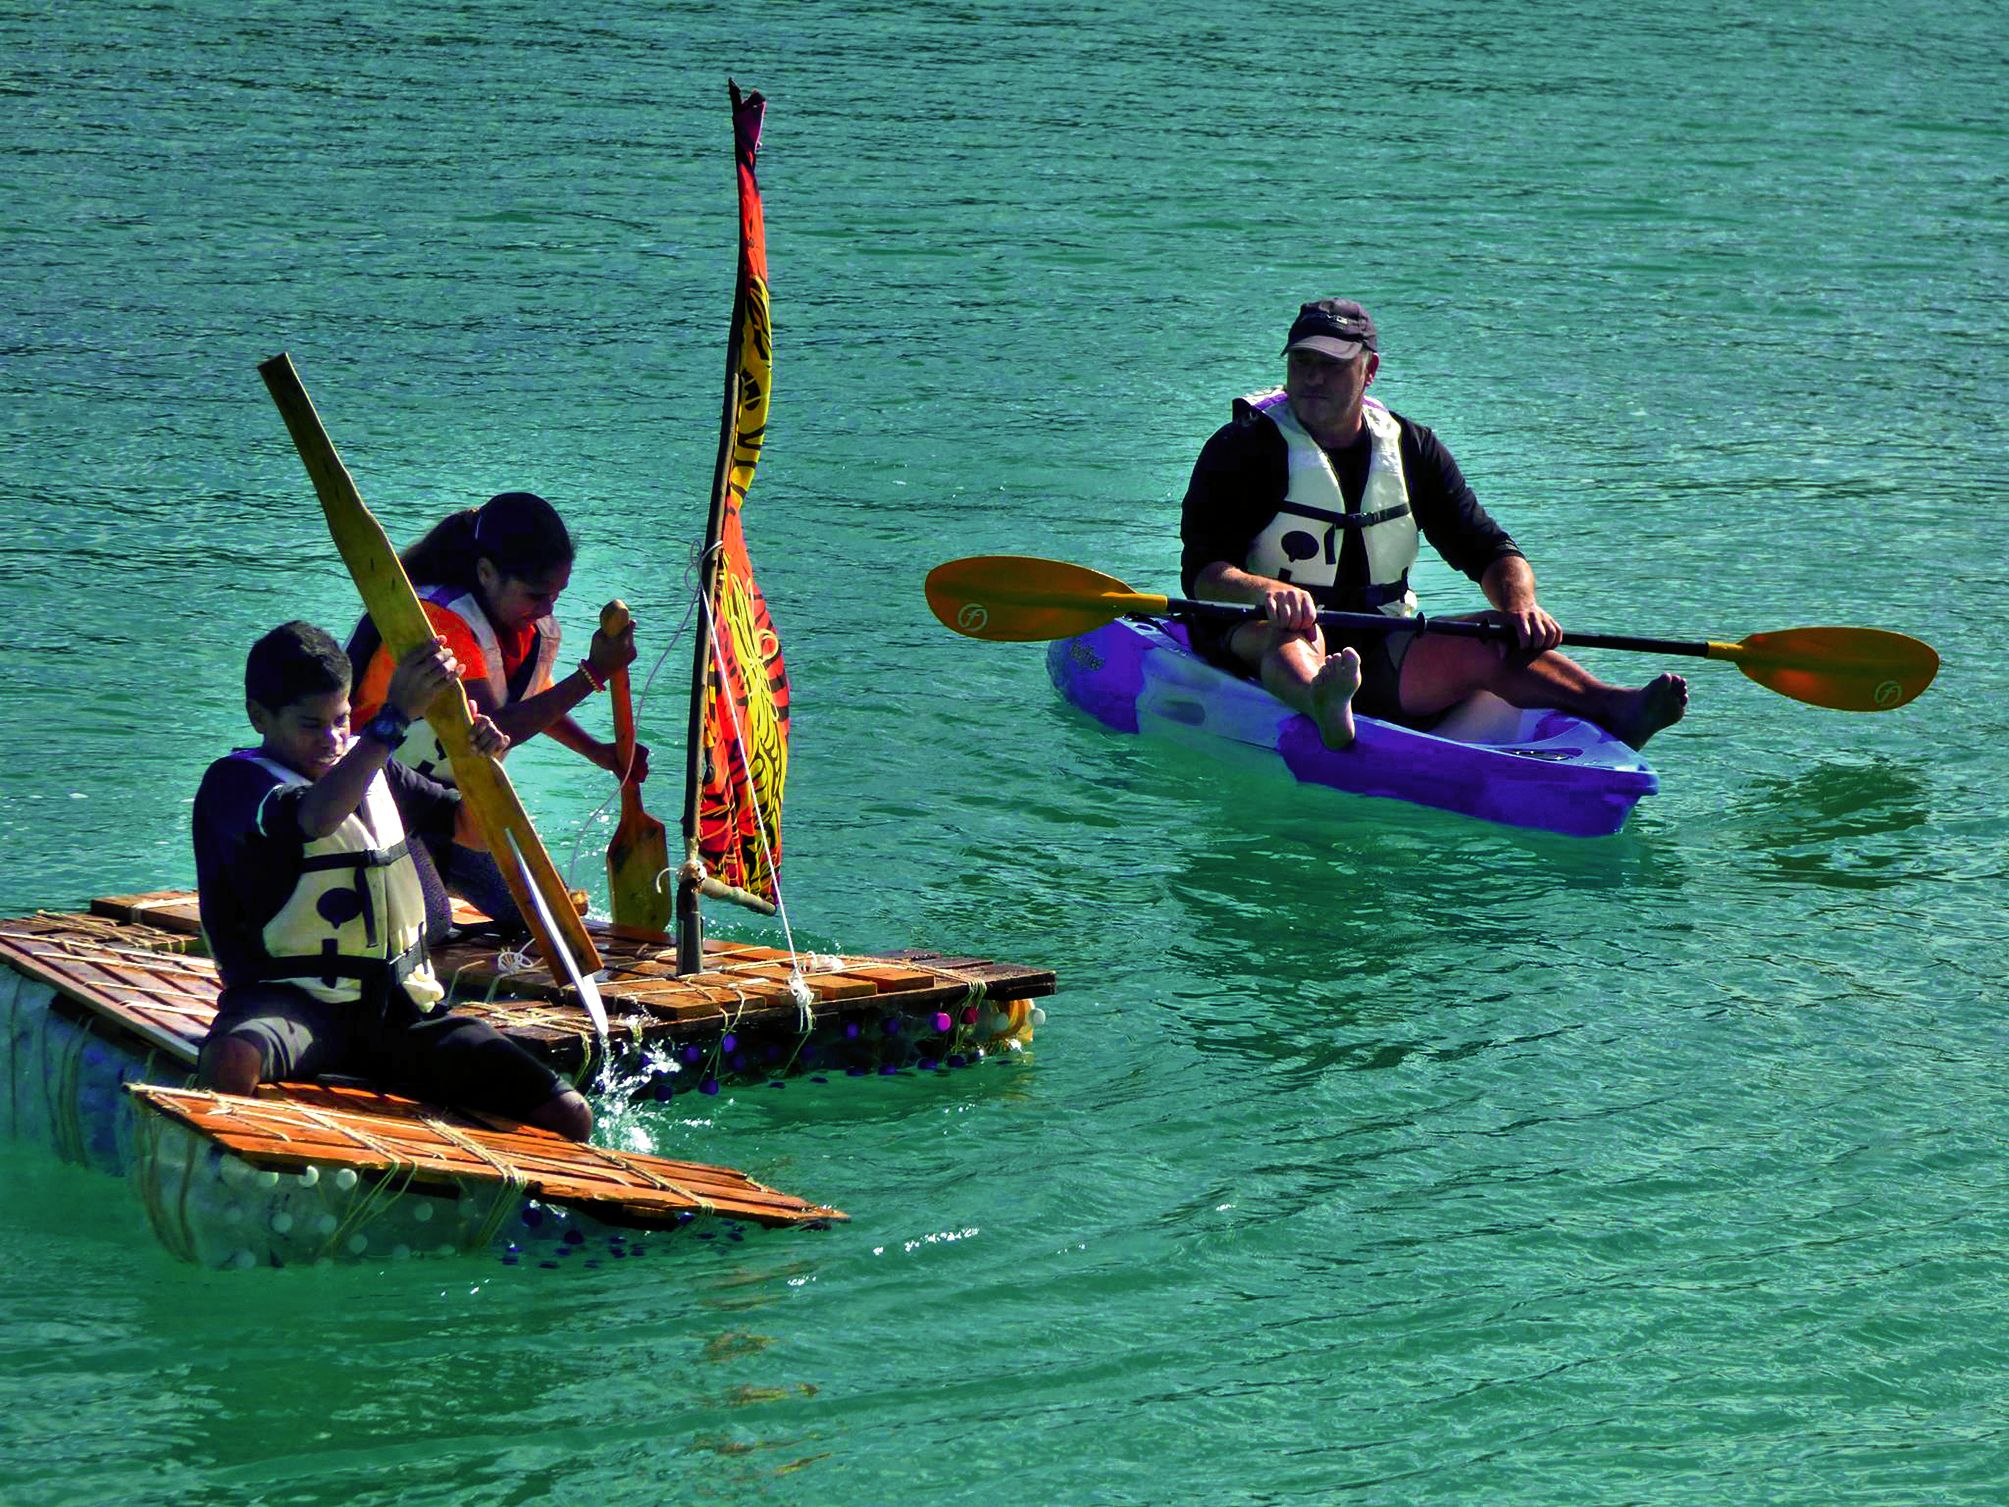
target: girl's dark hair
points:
(293, 661)
(519, 533)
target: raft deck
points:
(294, 1126)
(734, 1022)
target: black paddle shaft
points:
(1375, 622)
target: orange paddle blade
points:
(1846, 669)
(1021, 598)
(638, 854)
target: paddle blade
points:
(1847, 669)
(1021, 598)
(637, 857)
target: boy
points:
(316, 904)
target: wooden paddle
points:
(1020, 598)
(387, 594)
(638, 854)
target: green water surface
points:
(1367, 1155)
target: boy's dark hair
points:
(295, 659)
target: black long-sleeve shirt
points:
(1242, 475)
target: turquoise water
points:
(1367, 1155)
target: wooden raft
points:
(294, 1125)
(744, 987)
(160, 994)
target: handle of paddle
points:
(1452, 627)
(613, 620)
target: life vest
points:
(354, 926)
(1301, 544)
(428, 756)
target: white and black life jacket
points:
(1301, 544)
(354, 926)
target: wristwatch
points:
(388, 728)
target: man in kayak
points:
(1313, 497)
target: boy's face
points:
(307, 735)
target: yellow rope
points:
(622, 1160)
(514, 1183)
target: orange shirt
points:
(517, 644)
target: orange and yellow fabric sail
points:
(743, 720)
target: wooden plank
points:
(170, 910)
(164, 999)
(297, 1125)
(626, 950)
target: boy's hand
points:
(488, 738)
(419, 678)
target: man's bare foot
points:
(1656, 705)
(1332, 698)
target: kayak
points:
(1540, 768)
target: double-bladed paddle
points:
(638, 854)
(392, 604)
(1021, 598)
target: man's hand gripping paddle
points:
(638, 854)
(392, 604)
(1019, 598)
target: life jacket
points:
(354, 926)
(1301, 544)
(427, 756)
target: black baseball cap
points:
(1336, 327)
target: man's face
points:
(1324, 392)
(307, 735)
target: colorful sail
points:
(740, 747)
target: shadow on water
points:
(1860, 826)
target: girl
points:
(489, 579)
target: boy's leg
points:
(461, 1062)
(270, 1032)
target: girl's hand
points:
(488, 738)
(419, 678)
(611, 653)
(609, 759)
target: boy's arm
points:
(420, 676)
(337, 794)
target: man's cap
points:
(1336, 327)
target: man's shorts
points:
(443, 1058)
(1381, 656)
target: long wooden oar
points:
(392, 604)
(1020, 598)
(638, 854)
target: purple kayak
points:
(1542, 768)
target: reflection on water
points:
(1846, 826)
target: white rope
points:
(798, 986)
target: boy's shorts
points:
(443, 1058)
